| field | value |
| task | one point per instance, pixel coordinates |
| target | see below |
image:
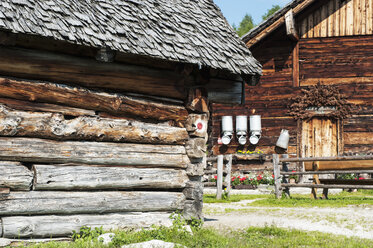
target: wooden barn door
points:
(320, 137)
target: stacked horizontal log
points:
(72, 156)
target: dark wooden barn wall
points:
(345, 62)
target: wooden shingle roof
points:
(188, 31)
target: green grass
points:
(210, 238)
(233, 198)
(343, 199)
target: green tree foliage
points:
(270, 11)
(245, 25)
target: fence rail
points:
(278, 174)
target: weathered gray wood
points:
(61, 202)
(219, 182)
(60, 226)
(55, 126)
(196, 125)
(56, 177)
(47, 151)
(277, 175)
(194, 190)
(4, 191)
(15, 176)
(197, 166)
(196, 147)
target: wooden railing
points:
(280, 185)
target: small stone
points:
(5, 242)
(106, 238)
(152, 244)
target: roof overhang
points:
(274, 21)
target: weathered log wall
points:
(41, 226)
(74, 156)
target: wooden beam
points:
(45, 107)
(57, 177)
(341, 165)
(62, 226)
(47, 151)
(42, 65)
(88, 99)
(296, 65)
(291, 30)
(298, 8)
(328, 186)
(15, 176)
(55, 126)
(4, 191)
(63, 202)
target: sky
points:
(235, 10)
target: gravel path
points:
(348, 221)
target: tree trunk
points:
(62, 226)
(61, 202)
(54, 126)
(47, 151)
(15, 176)
(87, 99)
(56, 177)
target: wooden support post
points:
(315, 181)
(286, 169)
(296, 65)
(276, 173)
(229, 172)
(219, 182)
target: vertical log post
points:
(276, 173)
(286, 169)
(229, 173)
(219, 180)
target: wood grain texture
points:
(341, 165)
(42, 65)
(55, 126)
(61, 202)
(57, 177)
(47, 151)
(15, 176)
(45, 107)
(92, 100)
(60, 226)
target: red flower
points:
(273, 176)
(216, 177)
(361, 178)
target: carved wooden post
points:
(276, 173)
(219, 180)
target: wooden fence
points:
(281, 184)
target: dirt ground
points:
(348, 221)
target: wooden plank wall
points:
(338, 18)
(345, 62)
(268, 99)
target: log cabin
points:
(104, 110)
(317, 81)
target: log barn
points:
(317, 80)
(104, 110)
